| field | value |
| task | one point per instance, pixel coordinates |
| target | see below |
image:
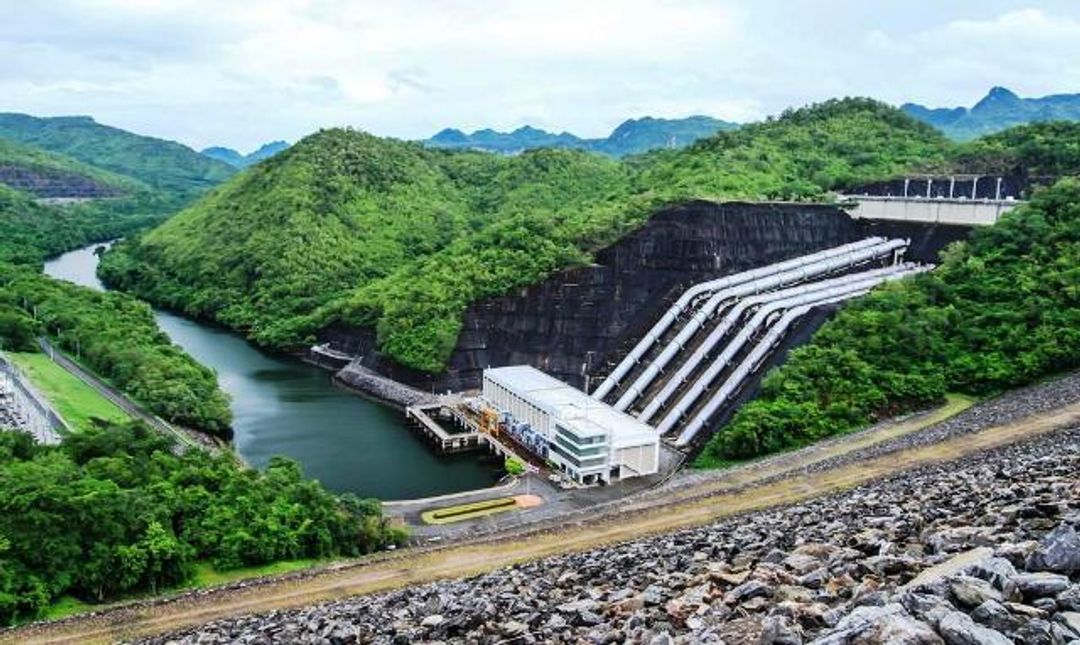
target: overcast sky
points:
(242, 72)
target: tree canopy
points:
(113, 511)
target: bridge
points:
(964, 200)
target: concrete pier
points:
(470, 438)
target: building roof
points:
(571, 405)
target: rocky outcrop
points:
(577, 324)
(52, 183)
(973, 551)
(358, 377)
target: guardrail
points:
(117, 398)
(44, 423)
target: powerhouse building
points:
(587, 439)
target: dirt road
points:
(690, 507)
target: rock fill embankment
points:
(981, 550)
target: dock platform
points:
(470, 438)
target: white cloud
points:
(245, 71)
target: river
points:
(283, 406)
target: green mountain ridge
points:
(1000, 109)
(345, 227)
(162, 165)
(633, 136)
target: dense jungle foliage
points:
(802, 154)
(113, 334)
(1036, 153)
(113, 512)
(1002, 309)
(346, 227)
(32, 232)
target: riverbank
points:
(283, 406)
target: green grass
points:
(75, 401)
(463, 512)
(954, 404)
(64, 607)
(207, 576)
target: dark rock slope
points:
(579, 322)
(981, 550)
(52, 183)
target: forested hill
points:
(998, 110)
(348, 227)
(633, 136)
(163, 165)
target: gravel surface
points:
(980, 550)
(9, 418)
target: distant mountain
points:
(238, 160)
(164, 165)
(633, 136)
(524, 138)
(998, 110)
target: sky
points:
(243, 72)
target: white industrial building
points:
(587, 439)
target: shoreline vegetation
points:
(113, 511)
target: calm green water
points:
(282, 406)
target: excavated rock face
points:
(49, 183)
(577, 324)
(938, 555)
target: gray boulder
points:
(959, 629)
(888, 624)
(1071, 621)
(1059, 551)
(1040, 584)
(775, 630)
(993, 614)
(1069, 600)
(994, 570)
(972, 592)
